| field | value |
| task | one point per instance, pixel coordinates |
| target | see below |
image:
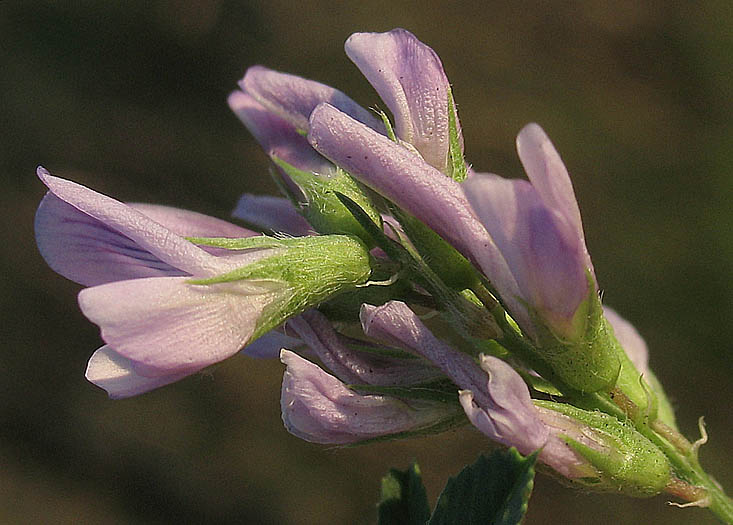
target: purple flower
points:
(494, 397)
(92, 239)
(319, 408)
(407, 74)
(526, 238)
(536, 226)
(409, 77)
(158, 327)
(509, 416)
(355, 361)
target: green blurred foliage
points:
(130, 99)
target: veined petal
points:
(556, 269)
(404, 178)
(168, 324)
(190, 223)
(112, 217)
(353, 366)
(409, 77)
(630, 340)
(544, 253)
(271, 213)
(93, 239)
(85, 250)
(120, 377)
(293, 98)
(193, 224)
(277, 136)
(319, 408)
(550, 178)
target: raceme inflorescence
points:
(405, 292)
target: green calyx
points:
(310, 270)
(592, 360)
(452, 267)
(322, 209)
(457, 167)
(625, 460)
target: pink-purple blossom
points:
(168, 307)
(158, 327)
(318, 407)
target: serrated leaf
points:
(403, 500)
(493, 490)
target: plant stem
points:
(684, 463)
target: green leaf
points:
(403, 500)
(493, 490)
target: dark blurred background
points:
(129, 98)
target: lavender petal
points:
(170, 325)
(276, 214)
(319, 408)
(293, 98)
(420, 189)
(409, 77)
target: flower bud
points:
(623, 460)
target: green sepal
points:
(242, 243)
(458, 169)
(493, 490)
(322, 209)
(665, 410)
(388, 126)
(403, 500)
(304, 273)
(441, 390)
(627, 462)
(588, 358)
(470, 319)
(452, 267)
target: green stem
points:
(684, 464)
(688, 468)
